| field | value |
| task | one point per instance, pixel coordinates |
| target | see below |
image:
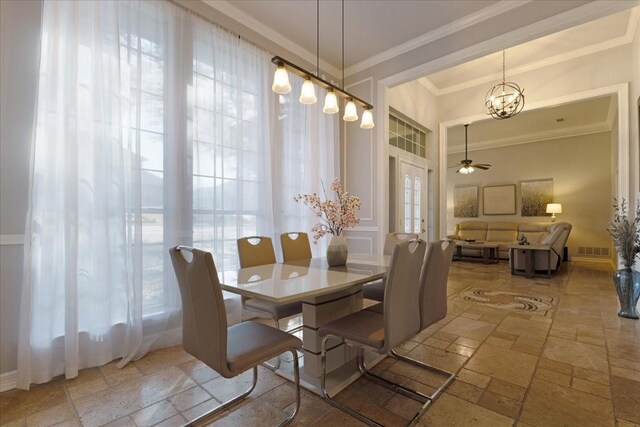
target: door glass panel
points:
(416, 205)
(407, 203)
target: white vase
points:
(337, 251)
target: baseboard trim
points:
(8, 381)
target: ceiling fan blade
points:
(483, 167)
(482, 164)
(455, 166)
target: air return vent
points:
(591, 251)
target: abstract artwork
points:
(499, 200)
(535, 196)
(465, 202)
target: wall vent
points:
(591, 251)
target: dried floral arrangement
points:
(624, 232)
(335, 215)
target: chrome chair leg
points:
(226, 404)
(335, 403)
(423, 398)
(276, 365)
(296, 373)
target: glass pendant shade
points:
(281, 83)
(465, 170)
(350, 113)
(330, 103)
(367, 120)
(308, 92)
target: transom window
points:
(407, 136)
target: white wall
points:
(580, 167)
(634, 125)
(19, 44)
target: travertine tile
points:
(126, 398)
(625, 373)
(189, 398)
(553, 377)
(626, 398)
(549, 404)
(15, 404)
(461, 350)
(51, 416)
(474, 378)
(469, 328)
(468, 342)
(439, 358)
(507, 389)
(464, 391)
(563, 368)
(154, 414)
(521, 327)
(500, 404)
(504, 364)
(576, 353)
(452, 411)
(590, 387)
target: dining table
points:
(327, 293)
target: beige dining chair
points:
(228, 350)
(258, 250)
(295, 246)
(381, 332)
(375, 290)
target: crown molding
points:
(489, 12)
(626, 38)
(225, 7)
(545, 135)
(429, 85)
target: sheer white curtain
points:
(304, 157)
(154, 128)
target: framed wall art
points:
(535, 195)
(465, 202)
(499, 200)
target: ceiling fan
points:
(467, 166)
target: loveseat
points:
(507, 233)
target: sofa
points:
(507, 233)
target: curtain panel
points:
(154, 128)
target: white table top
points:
(297, 280)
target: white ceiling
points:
(589, 116)
(604, 33)
(380, 30)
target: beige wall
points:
(581, 170)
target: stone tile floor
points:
(578, 365)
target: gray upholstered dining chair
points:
(258, 250)
(375, 290)
(381, 332)
(295, 246)
(231, 350)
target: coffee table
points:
(489, 251)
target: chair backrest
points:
(401, 292)
(295, 246)
(259, 253)
(394, 238)
(433, 282)
(204, 318)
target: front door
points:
(411, 190)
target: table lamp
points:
(553, 209)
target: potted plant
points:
(335, 216)
(624, 232)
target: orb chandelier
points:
(505, 99)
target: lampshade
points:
(308, 92)
(350, 113)
(330, 103)
(281, 83)
(465, 170)
(367, 120)
(554, 208)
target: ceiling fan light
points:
(350, 112)
(281, 83)
(367, 120)
(308, 92)
(330, 103)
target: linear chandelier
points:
(282, 86)
(505, 99)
